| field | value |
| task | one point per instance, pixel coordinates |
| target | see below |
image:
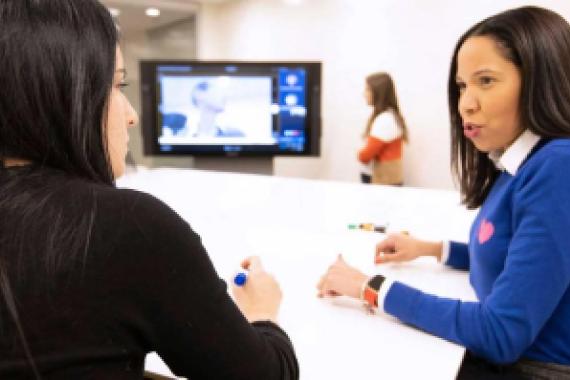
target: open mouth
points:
(471, 130)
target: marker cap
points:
(240, 279)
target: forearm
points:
(429, 248)
(483, 329)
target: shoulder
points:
(139, 210)
(559, 148)
(131, 226)
(543, 172)
(385, 127)
(550, 156)
(109, 200)
(134, 201)
(131, 212)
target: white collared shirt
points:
(511, 159)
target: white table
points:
(298, 227)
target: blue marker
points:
(240, 279)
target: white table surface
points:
(298, 227)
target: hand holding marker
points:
(256, 292)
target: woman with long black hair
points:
(92, 278)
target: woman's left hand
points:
(341, 280)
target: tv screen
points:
(231, 108)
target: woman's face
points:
(120, 117)
(489, 87)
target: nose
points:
(468, 102)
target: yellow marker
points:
(366, 226)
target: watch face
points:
(376, 281)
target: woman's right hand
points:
(402, 247)
(260, 297)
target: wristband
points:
(370, 297)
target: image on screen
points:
(216, 109)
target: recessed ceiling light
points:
(152, 12)
(115, 12)
(293, 2)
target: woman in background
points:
(92, 278)
(385, 133)
(509, 105)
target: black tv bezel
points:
(148, 79)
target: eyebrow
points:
(484, 71)
(479, 72)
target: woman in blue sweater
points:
(509, 103)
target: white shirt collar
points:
(511, 159)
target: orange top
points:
(380, 150)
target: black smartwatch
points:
(376, 282)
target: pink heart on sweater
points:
(486, 230)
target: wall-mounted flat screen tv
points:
(223, 108)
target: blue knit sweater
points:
(519, 261)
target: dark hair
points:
(383, 99)
(57, 62)
(537, 41)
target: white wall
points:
(173, 41)
(411, 39)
